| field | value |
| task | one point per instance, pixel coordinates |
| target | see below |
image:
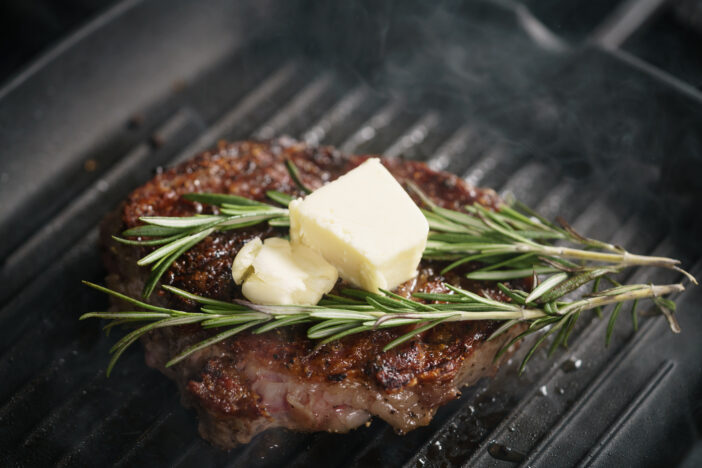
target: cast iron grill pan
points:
(633, 402)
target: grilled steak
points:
(249, 383)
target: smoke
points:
(589, 114)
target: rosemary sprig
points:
(295, 176)
(508, 243)
(357, 311)
(179, 234)
(176, 235)
(513, 242)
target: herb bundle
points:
(177, 235)
(508, 243)
(356, 311)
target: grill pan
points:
(573, 127)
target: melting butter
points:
(275, 272)
(365, 225)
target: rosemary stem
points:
(625, 258)
(512, 243)
(518, 313)
(652, 291)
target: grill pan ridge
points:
(554, 128)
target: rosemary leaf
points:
(115, 323)
(440, 297)
(612, 321)
(180, 223)
(536, 345)
(393, 322)
(279, 222)
(169, 322)
(148, 230)
(551, 308)
(331, 330)
(285, 322)
(513, 261)
(210, 341)
(235, 319)
(470, 258)
(470, 295)
(620, 290)
(538, 220)
(117, 351)
(558, 340)
(125, 315)
(574, 282)
(196, 298)
(507, 345)
(166, 262)
(408, 336)
(503, 328)
(542, 322)
(219, 199)
(380, 305)
(328, 324)
(570, 326)
(546, 286)
(126, 298)
(349, 331)
(280, 197)
(173, 247)
(163, 240)
(335, 299)
(295, 176)
(595, 290)
(407, 302)
(241, 222)
(502, 275)
(461, 238)
(339, 314)
(437, 223)
(511, 294)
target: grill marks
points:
(167, 427)
(46, 342)
(85, 254)
(337, 127)
(84, 211)
(536, 414)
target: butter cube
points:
(274, 272)
(365, 224)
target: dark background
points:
(672, 41)
(28, 28)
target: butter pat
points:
(365, 224)
(274, 272)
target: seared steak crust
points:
(251, 382)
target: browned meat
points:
(253, 382)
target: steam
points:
(590, 115)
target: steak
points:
(248, 383)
